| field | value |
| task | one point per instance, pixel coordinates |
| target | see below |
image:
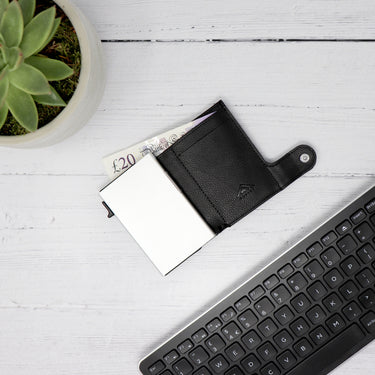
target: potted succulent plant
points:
(51, 71)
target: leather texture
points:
(222, 173)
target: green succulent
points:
(24, 72)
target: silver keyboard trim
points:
(252, 277)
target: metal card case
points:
(155, 212)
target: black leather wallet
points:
(205, 182)
(222, 173)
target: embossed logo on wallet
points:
(245, 190)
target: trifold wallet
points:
(209, 179)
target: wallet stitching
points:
(200, 188)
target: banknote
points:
(120, 161)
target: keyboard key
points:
(367, 299)
(285, 271)
(314, 270)
(183, 367)
(332, 302)
(219, 364)
(228, 314)
(185, 346)
(287, 360)
(231, 331)
(319, 335)
(343, 227)
(366, 254)
(350, 266)
(332, 352)
(297, 282)
(314, 249)
(156, 368)
(270, 369)
(198, 356)
(251, 340)
(347, 244)
(329, 238)
(317, 291)
(368, 321)
(250, 363)
(333, 278)
(349, 290)
(215, 343)
(352, 311)
(330, 257)
(242, 304)
(235, 352)
(299, 327)
(267, 351)
(283, 339)
(336, 323)
(316, 315)
(284, 315)
(365, 278)
(358, 216)
(203, 371)
(280, 294)
(256, 293)
(300, 260)
(199, 336)
(234, 371)
(271, 282)
(267, 327)
(303, 348)
(214, 325)
(364, 232)
(370, 206)
(300, 303)
(171, 357)
(167, 373)
(264, 306)
(247, 319)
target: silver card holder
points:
(157, 214)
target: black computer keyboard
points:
(304, 314)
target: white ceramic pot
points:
(87, 96)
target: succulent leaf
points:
(3, 6)
(3, 115)
(12, 25)
(28, 10)
(2, 60)
(52, 99)
(56, 24)
(14, 57)
(29, 79)
(54, 70)
(4, 87)
(24, 75)
(37, 32)
(23, 108)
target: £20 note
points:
(121, 161)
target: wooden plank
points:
(228, 20)
(282, 94)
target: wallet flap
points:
(222, 173)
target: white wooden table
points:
(77, 295)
